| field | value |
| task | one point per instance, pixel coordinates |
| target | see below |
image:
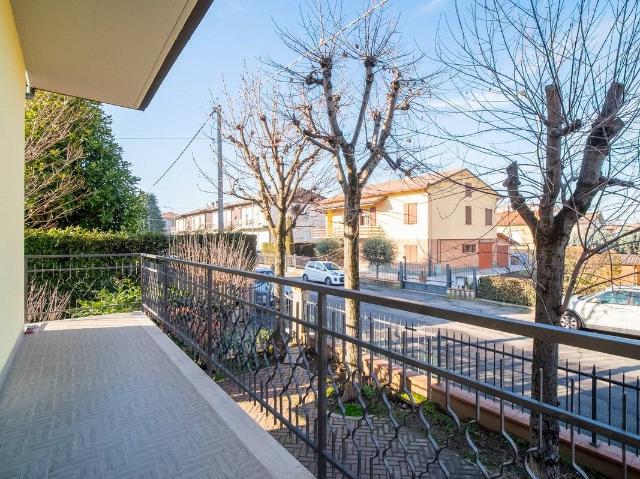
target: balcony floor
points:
(113, 397)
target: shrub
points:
(379, 251)
(330, 248)
(507, 290)
(75, 240)
(268, 248)
(304, 249)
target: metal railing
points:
(70, 286)
(294, 365)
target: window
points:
(410, 213)
(368, 217)
(613, 297)
(467, 215)
(488, 216)
(411, 253)
(468, 190)
(469, 248)
(635, 298)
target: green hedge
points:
(507, 290)
(80, 241)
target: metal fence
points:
(301, 367)
(597, 391)
(68, 286)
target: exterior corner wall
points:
(12, 103)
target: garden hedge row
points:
(507, 290)
(81, 241)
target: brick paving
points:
(347, 436)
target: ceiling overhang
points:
(115, 51)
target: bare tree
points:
(276, 167)
(358, 123)
(551, 89)
(51, 151)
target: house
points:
(442, 218)
(247, 217)
(169, 221)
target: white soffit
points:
(113, 51)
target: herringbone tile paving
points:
(99, 399)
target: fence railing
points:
(597, 392)
(352, 398)
(68, 286)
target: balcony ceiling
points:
(115, 51)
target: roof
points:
(378, 191)
(510, 218)
(115, 51)
(168, 215)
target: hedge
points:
(76, 240)
(507, 290)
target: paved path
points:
(114, 398)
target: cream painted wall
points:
(12, 84)
(448, 203)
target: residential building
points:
(247, 217)
(441, 218)
(169, 221)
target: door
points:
(502, 253)
(321, 272)
(606, 311)
(485, 255)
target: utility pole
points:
(220, 182)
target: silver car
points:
(615, 310)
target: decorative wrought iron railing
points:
(376, 409)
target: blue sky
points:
(233, 32)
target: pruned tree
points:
(379, 251)
(551, 91)
(50, 153)
(362, 125)
(276, 167)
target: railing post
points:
(594, 405)
(165, 291)
(209, 348)
(321, 341)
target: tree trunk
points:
(351, 281)
(280, 267)
(549, 285)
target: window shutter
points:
(488, 216)
(467, 215)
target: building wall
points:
(12, 89)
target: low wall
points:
(384, 283)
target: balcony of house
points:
(337, 231)
(217, 377)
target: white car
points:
(324, 272)
(615, 310)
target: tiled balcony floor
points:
(113, 397)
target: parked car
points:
(264, 294)
(615, 310)
(324, 272)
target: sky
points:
(233, 33)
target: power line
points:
(271, 77)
